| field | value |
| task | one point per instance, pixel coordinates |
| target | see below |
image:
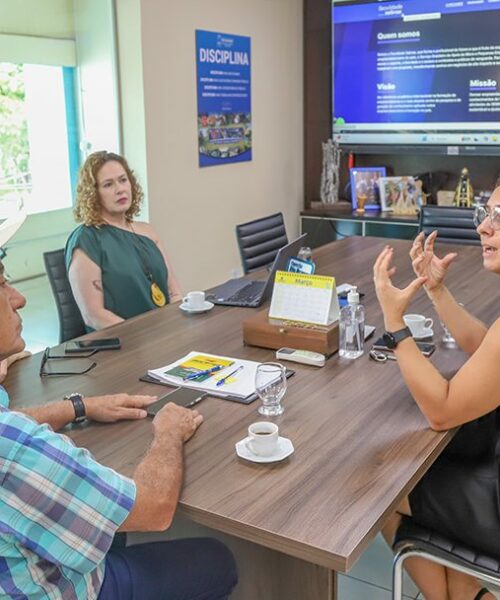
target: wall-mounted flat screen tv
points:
(417, 73)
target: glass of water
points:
(270, 385)
(447, 339)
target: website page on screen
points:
(431, 67)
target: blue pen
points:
(223, 380)
(201, 373)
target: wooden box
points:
(261, 331)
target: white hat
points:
(9, 227)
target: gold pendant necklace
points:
(157, 295)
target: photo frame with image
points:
(401, 195)
(364, 185)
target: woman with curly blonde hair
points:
(117, 267)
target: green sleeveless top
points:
(121, 255)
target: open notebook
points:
(183, 371)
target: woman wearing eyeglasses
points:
(458, 496)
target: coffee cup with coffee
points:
(263, 438)
(419, 325)
(194, 300)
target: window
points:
(38, 137)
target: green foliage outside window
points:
(14, 145)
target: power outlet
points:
(236, 272)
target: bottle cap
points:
(353, 296)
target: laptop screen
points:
(281, 261)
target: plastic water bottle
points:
(352, 327)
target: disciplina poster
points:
(223, 65)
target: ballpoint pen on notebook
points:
(201, 373)
(223, 380)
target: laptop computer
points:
(244, 292)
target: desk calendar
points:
(306, 298)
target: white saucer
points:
(426, 333)
(283, 450)
(206, 306)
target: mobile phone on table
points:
(425, 347)
(85, 345)
(181, 396)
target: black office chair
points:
(71, 324)
(413, 540)
(454, 225)
(260, 240)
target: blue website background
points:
(345, 13)
(357, 48)
(224, 90)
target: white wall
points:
(196, 209)
(96, 59)
(44, 18)
(128, 22)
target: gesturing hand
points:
(426, 264)
(117, 407)
(393, 301)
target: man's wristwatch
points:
(79, 407)
(392, 339)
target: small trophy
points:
(464, 194)
(329, 187)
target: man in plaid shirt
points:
(59, 508)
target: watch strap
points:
(78, 406)
(395, 337)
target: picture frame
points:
(364, 180)
(401, 195)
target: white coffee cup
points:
(263, 438)
(418, 324)
(194, 300)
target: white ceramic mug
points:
(194, 300)
(263, 438)
(418, 324)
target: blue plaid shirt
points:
(59, 510)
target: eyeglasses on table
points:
(47, 356)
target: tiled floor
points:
(370, 579)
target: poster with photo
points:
(223, 65)
(364, 187)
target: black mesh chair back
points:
(71, 324)
(454, 225)
(260, 240)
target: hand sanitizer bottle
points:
(352, 327)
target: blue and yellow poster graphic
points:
(224, 98)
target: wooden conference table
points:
(360, 441)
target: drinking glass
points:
(447, 339)
(270, 385)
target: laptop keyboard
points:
(247, 295)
